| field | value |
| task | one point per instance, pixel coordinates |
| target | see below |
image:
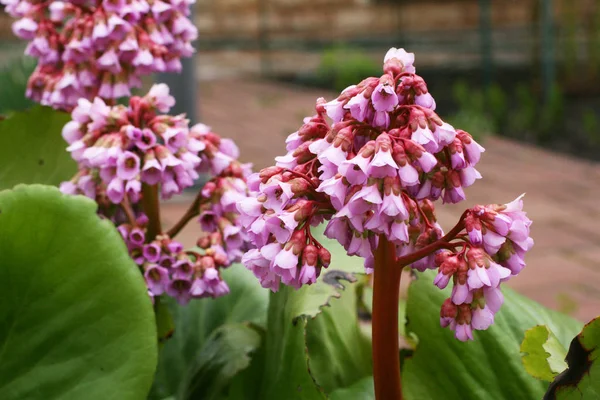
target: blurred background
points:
(522, 76)
(527, 69)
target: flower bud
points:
(208, 189)
(464, 314)
(477, 257)
(303, 153)
(220, 259)
(207, 262)
(310, 255)
(312, 130)
(304, 210)
(448, 309)
(441, 256)
(300, 186)
(450, 265)
(324, 257)
(297, 241)
(203, 242)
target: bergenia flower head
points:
(123, 149)
(99, 48)
(371, 163)
(168, 269)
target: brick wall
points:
(295, 31)
(338, 19)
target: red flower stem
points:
(192, 211)
(441, 243)
(386, 294)
(386, 349)
(128, 211)
(151, 206)
(423, 216)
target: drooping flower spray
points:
(92, 52)
(371, 163)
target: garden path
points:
(563, 193)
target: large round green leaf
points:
(32, 149)
(75, 318)
(489, 367)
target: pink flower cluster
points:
(373, 173)
(386, 154)
(278, 222)
(219, 217)
(88, 49)
(169, 269)
(493, 251)
(125, 147)
(120, 149)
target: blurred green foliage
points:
(525, 114)
(13, 84)
(591, 125)
(344, 66)
(472, 115)
(579, 24)
(517, 109)
(551, 115)
(519, 113)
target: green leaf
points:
(310, 299)
(195, 322)
(338, 352)
(247, 384)
(165, 326)
(543, 355)
(582, 378)
(295, 322)
(489, 367)
(75, 318)
(13, 84)
(280, 369)
(32, 149)
(226, 352)
(286, 372)
(360, 390)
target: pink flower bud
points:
(324, 257)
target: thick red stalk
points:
(386, 350)
(386, 294)
(151, 205)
